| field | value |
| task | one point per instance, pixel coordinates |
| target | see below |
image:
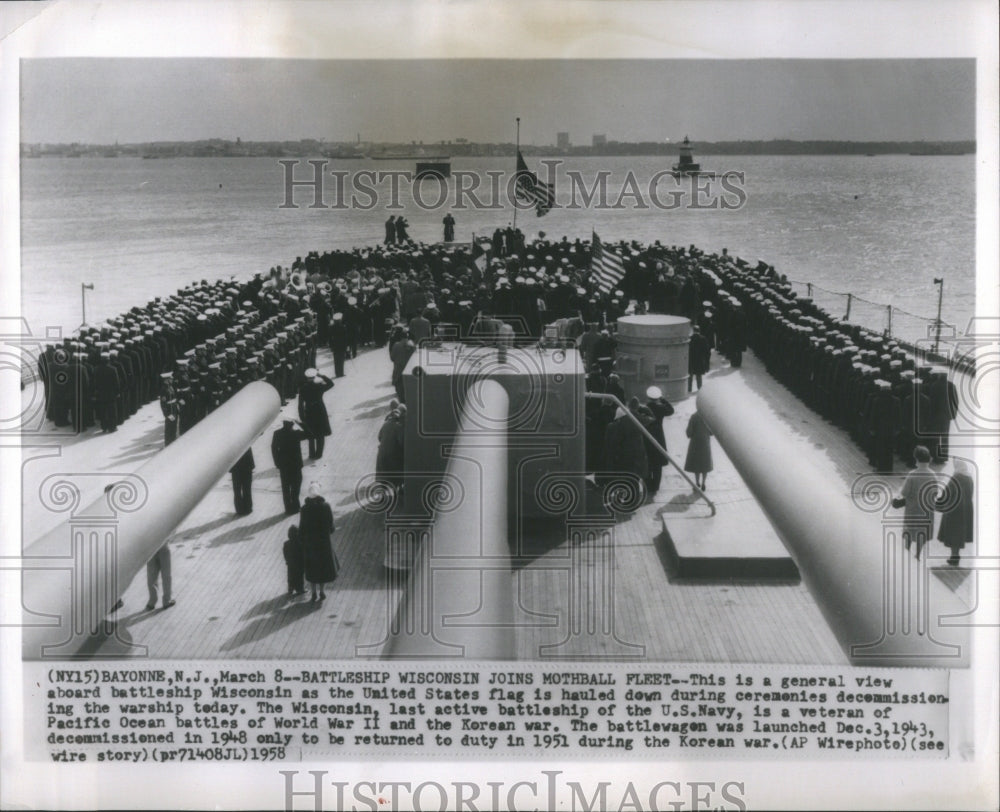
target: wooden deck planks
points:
(229, 579)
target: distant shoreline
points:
(309, 148)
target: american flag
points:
(529, 189)
(606, 267)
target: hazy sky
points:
(103, 100)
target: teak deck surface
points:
(229, 574)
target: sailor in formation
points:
(192, 350)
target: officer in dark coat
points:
(242, 473)
(186, 417)
(338, 343)
(943, 397)
(390, 230)
(286, 452)
(884, 423)
(449, 228)
(401, 225)
(660, 408)
(737, 335)
(604, 352)
(391, 443)
(625, 451)
(106, 389)
(312, 410)
(699, 356)
(60, 391)
(169, 407)
(598, 415)
(400, 354)
(914, 405)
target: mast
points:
(517, 151)
(939, 281)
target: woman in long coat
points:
(956, 507)
(312, 411)
(625, 449)
(699, 453)
(389, 461)
(316, 538)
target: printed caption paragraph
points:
(262, 712)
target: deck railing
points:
(891, 321)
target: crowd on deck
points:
(195, 349)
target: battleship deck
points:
(229, 578)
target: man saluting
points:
(286, 451)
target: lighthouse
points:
(687, 158)
(686, 165)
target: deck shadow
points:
(245, 532)
(118, 642)
(266, 606)
(678, 503)
(952, 577)
(110, 646)
(372, 402)
(193, 532)
(276, 620)
(139, 448)
(371, 414)
(531, 539)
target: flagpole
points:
(517, 151)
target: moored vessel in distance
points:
(441, 169)
(343, 154)
(686, 164)
(419, 155)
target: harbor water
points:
(880, 227)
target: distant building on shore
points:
(599, 140)
(562, 140)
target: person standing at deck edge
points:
(242, 473)
(159, 567)
(699, 453)
(956, 508)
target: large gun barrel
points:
(93, 561)
(886, 608)
(459, 599)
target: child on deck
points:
(292, 550)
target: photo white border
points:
(511, 30)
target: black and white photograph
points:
(492, 406)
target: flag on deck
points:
(529, 189)
(606, 267)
